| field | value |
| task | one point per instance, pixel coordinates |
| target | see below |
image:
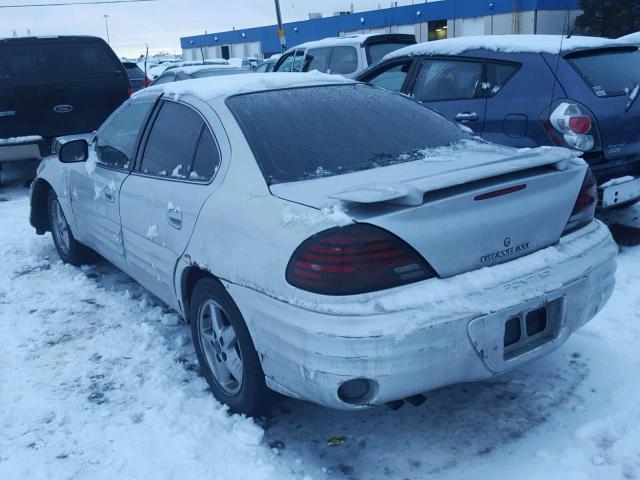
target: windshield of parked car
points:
(304, 133)
(377, 51)
(609, 72)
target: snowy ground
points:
(98, 380)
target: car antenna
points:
(565, 27)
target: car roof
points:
(552, 44)
(347, 40)
(60, 38)
(212, 88)
(190, 70)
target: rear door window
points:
(58, 59)
(344, 60)
(180, 146)
(497, 76)
(207, 158)
(172, 142)
(317, 59)
(116, 140)
(608, 72)
(440, 80)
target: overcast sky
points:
(163, 22)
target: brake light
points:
(146, 82)
(585, 207)
(355, 259)
(574, 123)
(130, 91)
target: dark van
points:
(54, 86)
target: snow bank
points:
(505, 43)
(99, 380)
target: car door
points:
(95, 186)
(161, 199)
(453, 87)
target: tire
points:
(69, 249)
(225, 350)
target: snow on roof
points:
(210, 88)
(631, 38)
(333, 41)
(506, 44)
(198, 68)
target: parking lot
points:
(100, 379)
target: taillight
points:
(355, 259)
(146, 82)
(574, 124)
(585, 207)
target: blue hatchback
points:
(534, 90)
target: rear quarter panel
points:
(523, 99)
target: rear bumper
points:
(435, 333)
(619, 193)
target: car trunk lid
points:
(461, 210)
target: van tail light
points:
(585, 207)
(355, 259)
(130, 91)
(572, 125)
(146, 82)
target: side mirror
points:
(75, 151)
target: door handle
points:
(174, 216)
(108, 193)
(466, 117)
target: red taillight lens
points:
(571, 124)
(130, 91)
(146, 82)
(585, 207)
(355, 259)
(580, 125)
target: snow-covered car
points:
(200, 71)
(322, 251)
(346, 56)
(534, 90)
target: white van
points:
(346, 56)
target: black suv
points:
(54, 86)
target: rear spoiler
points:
(411, 193)
(390, 38)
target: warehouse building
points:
(431, 20)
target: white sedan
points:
(329, 240)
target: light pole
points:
(106, 24)
(283, 41)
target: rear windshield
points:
(57, 59)
(304, 133)
(376, 51)
(133, 70)
(609, 72)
